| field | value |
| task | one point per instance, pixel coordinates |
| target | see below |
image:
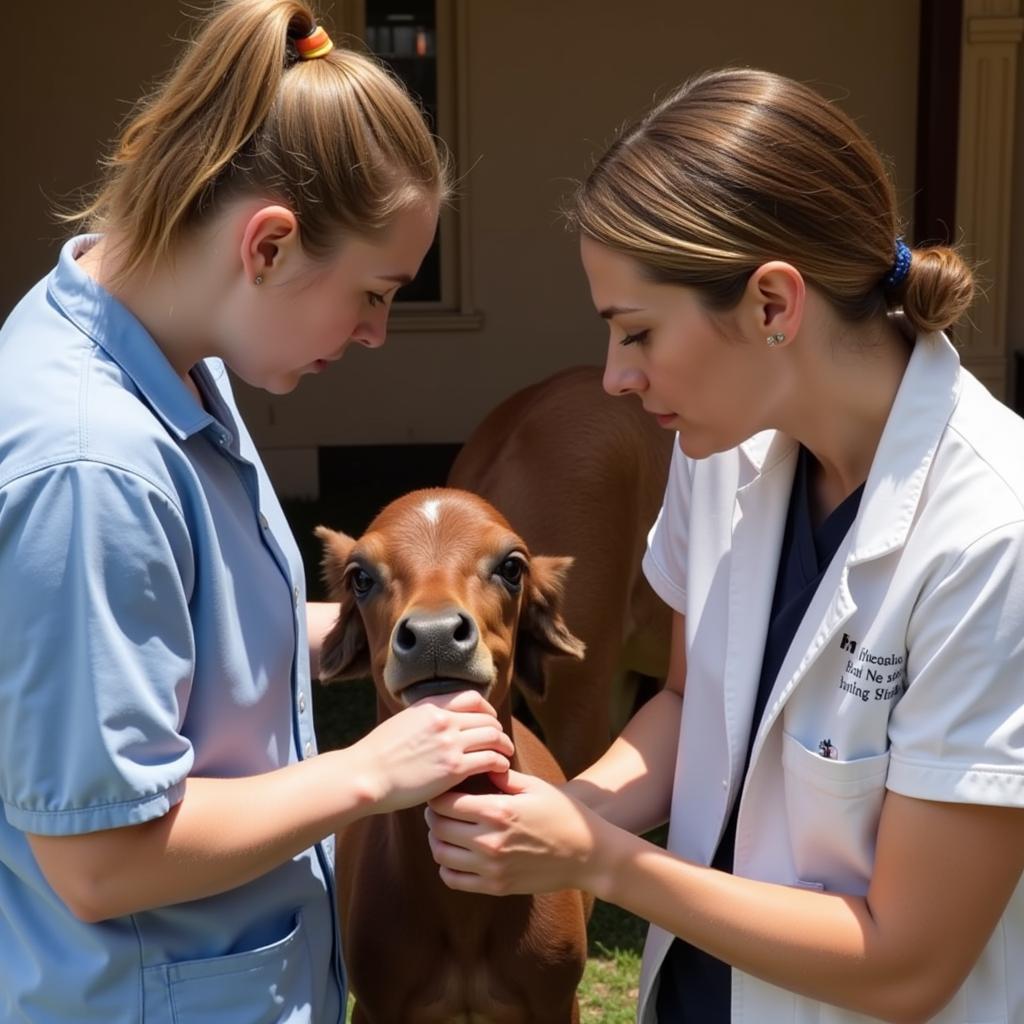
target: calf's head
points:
(440, 594)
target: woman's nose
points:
(620, 378)
(373, 331)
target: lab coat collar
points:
(922, 408)
(924, 402)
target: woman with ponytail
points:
(165, 850)
(839, 749)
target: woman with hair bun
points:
(165, 846)
(839, 749)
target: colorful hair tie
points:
(900, 265)
(316, 44)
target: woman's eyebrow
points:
(395, 278)
(610, 311)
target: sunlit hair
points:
(337, 139)
(740, 167)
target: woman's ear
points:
(270, 236)
(774, 300)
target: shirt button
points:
(308, 749)
(264, 522)
(725, 783)
(302, 702)
(295, 594)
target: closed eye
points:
(635, 339)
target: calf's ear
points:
(345, 653)
(542, 630)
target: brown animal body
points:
(577, 471)
(440, 594)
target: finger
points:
(471, 807)
(483, 762)
(466, 881)
(461, 700)
(450, 830)
(451, 856)
(511, 782)
(488, 737)
(475, 720)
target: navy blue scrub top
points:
(695, 987)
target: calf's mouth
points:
(434, 686)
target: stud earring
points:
(775, 339)
(259, 279)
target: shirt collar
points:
(924, 402)
(100, 316)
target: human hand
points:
(429, 747)
(531, 837)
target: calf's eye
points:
(362, 582)
(511, 571)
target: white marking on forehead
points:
(431, 510)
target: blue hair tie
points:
(900, 265)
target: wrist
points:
(602, 864)
(365, 791)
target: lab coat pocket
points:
(270, 985)
(833, 809)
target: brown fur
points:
(578, 471)
(418, 952)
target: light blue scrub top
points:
(152, 626)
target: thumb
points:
(511, 782)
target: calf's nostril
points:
(405, 638)
(462, 629)
(465, 631)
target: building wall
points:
(548, 84)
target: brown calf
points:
(438, 595)
(577, 471)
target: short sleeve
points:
(957, 733)
(96, 660)
(664, 562)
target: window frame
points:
(455, 310)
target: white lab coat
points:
(906, 673)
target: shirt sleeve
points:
(957, 733)
(664, 562)
(96, 572)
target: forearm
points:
(320, 616)
(631, 785)
(223, 833)
(822, 945)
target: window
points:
(422, 41)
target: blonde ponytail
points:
(337, 139)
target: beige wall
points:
(548, 84)
(61, 102)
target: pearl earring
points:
(775, 339)
(259, 279)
